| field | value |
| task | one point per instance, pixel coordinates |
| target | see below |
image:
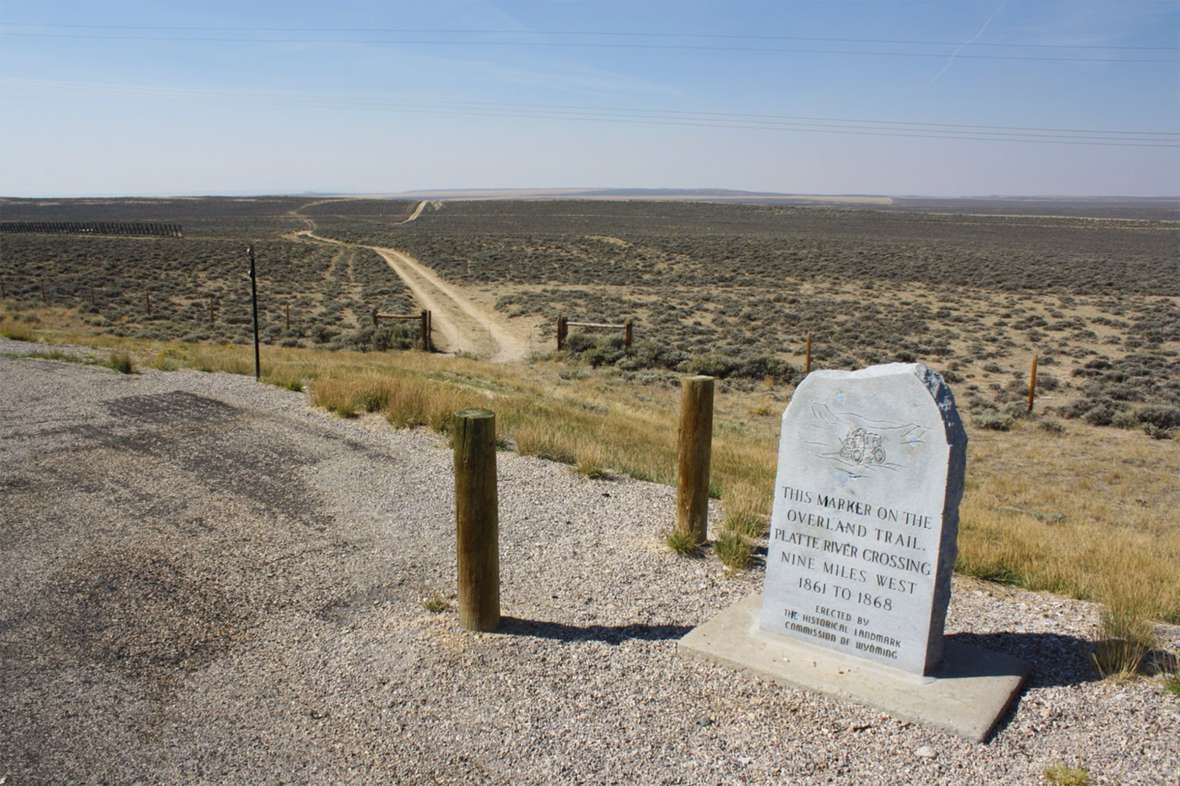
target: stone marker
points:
(861, 549)
(866, 508)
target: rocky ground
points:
(204, 580)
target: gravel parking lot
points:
(205, 580)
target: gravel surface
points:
(204, 580)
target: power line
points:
(589, 45)
(593, 33)
(810, 118)
(676, 118)
(379, 101)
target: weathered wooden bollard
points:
(694, 446)
(1032, 383)
(477, 527)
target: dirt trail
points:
(417, 212)
(462, 324)
(466, 326)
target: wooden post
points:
(287, 308)
(807, 360)
(477, 542)
(425, 329)
(561, 333)
(429, 331)
(628, 334)
(375, 324)
(693, 450)
(1032, 383)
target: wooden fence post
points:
(424, 328)
(254, 312)
(693, 450)
(561, 333)
(429, 331)
(807, 360)
(1032, 383)
(628, 334)
(477, 541)
(287, 314)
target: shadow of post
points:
(608, 634)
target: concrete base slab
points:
(966, 696)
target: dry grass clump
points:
(1126, 632)
(413, 402)
(435, 604)
(682, 543)
(17, 331)
(348, 396)
(406, 402)
(1172, 684)
(746, 507)
(733, 550)
(546, 440)
(1061, 775)
(591, 460)
(121, 362)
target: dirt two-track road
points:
(460, 323)
(465, 325)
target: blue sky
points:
(160, 98)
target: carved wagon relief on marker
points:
(866, 446)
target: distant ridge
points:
(647, 194)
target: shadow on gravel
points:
(1055, 660)
(609, 634)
